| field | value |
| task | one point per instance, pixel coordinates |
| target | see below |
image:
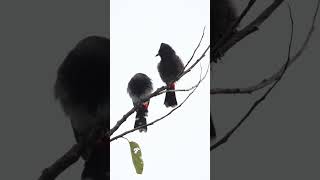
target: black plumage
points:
(223, 15)
(82, 87)
(169, 67)
(139, 87)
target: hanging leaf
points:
(136, 156)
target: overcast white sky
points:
(178, 146)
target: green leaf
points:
(136, 156)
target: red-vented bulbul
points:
(169, 67)
(82, 87)
(139, 87)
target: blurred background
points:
(280, 138)
(35, 38)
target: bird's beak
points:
(157, 55)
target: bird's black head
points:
(165, 50)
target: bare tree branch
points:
(161, 89)
(256, 103)
(167, 114)
(61, 164)
(71, 156)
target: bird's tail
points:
(170, 99)
(141, 120)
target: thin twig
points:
(195, 63)
(195, 50)
(179, 90)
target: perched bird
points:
(82, 87)
(139, 87)
(223, 15)
(169, 67)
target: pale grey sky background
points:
(280, 138)
(178, 146)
